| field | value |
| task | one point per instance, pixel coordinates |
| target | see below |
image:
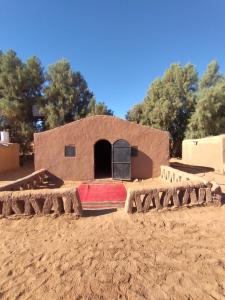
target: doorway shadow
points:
(102, 159)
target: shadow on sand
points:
(95, 213)
(190, 168)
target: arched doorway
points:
(103, 159)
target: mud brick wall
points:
(171, 196)
(33, 181)
(170, 174)
(9, 156)
(152, 147)
(45, 201)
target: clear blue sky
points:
(119, 46)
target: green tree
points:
(62, 95)
(80, 109)
(20, 87)
(11, 84)
(169, 103)
(66, 95)
(209, 115)
(212, 76)
(135, 114)
(99, 108)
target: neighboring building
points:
(102, 147)
(206, 152)
(9, 156)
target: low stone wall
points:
(179, 189)
(170, 196)
(33, 181)
(46, 201)
(37, 180)
(170, 174)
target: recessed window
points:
(70, 151)
(134, 151)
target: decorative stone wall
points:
(170, 174)
(45, 201)
(28, 195)
(171, 196)
(37, 180)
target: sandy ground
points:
(157, 255)
(166, 255)
(9, 176)
(28, 168)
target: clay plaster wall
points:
(153, 147)
(207, 152)
(9, 157)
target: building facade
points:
(102, 147)
(9, 156)
(206, 152)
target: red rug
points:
(102, 195)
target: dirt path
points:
(166, 255)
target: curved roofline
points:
(98, 117)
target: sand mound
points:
(166, 255)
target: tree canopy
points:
(20, 88)
(183, 104)
(66, 95)
(61, 94)
(209, 115)
(100, 108)
(169, 103)
(180, 102)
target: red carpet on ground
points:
(102, 195)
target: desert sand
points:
(10, 176)
(157, 255)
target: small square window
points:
(134, 151)
(70, 151)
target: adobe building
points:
(9, 156)
(102, 147)
(206, 152)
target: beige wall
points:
(9, 157)
(153, 147)
(207, 152)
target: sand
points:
(10, 176)
(157, 255)
(166, 255)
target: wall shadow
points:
(54, 181)
(223, 199)
(190, 168)
(141, 166)
(95, 213)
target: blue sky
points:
(120, 46)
